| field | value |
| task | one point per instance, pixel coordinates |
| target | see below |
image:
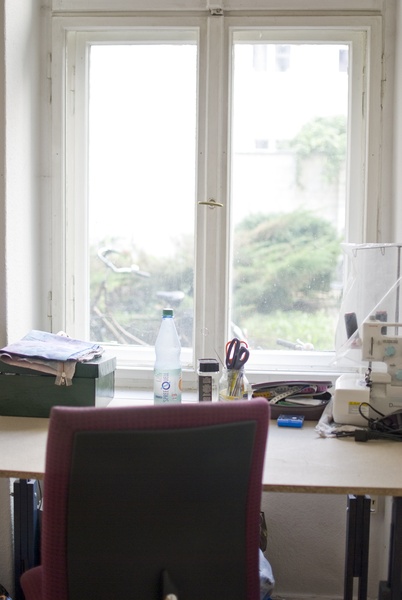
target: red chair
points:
(140, 498)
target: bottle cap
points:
(167, 312)
(208, 365)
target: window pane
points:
(288, 191)
(142, 136)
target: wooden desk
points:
(297, 460)
(23, 447)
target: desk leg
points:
(26, 529)
(392, 588)
(357, 545)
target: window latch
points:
(211, 203)
(216, 11)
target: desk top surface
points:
(297, 460)
(23, 447)
(301, 461)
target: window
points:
(282, 58)
(141, 185)
(289, 202)
(214, 164)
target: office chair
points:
(146, 501)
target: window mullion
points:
(212, 223)
(58, 199)
(76, 186)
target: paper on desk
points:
(326, 426)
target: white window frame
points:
(69, 131)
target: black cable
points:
(364, 435)
(384, 427)
(369, 420)
(380, 424)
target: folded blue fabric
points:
(55, 354)
(41, 344)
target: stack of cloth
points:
(54, 354)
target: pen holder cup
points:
(234, 385)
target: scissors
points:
(237, 354)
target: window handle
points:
(211, 203)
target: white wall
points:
(5, 528)
(306, 544)
(23, 305)
(306, 532)
(22, 301)
(3, 296)
(397, 158)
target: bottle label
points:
(205, 388)
(167, 386)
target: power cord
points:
(384, 427)
(364, 435)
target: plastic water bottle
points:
(167, 373)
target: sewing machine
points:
(381, 387)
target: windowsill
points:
(135, 366)
(129, 396)
(136, 381)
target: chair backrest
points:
(130, 493)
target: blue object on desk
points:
(290, 421)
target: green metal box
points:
(29, 393)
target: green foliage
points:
(316, 328)
(326, 136)
(132, 299)
(283, 262)
(282, 272)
